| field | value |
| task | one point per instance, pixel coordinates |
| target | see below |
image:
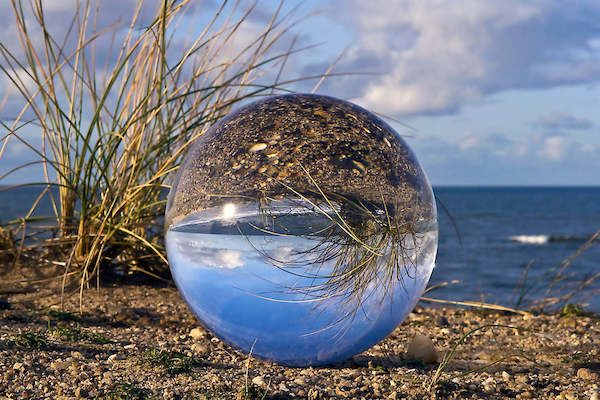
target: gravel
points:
(142, 342)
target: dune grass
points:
(109, 137)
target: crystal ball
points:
(301, 229)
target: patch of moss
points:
(75, 334)
(171, 362)
(575, 310)
(29, 340)
(127, 392)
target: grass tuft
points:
(251, 392)
(127, 392)
(29, 340)
(575, 310)
(171, 362)
(111, 136)
(76, 334)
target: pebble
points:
(300, 381)
(258, 147)
(258, 381)
(422, 349)
(197, 333)
(112, 358)
(587, 374)
(107, 378)
(199, 348)
(59, 365)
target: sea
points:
(512, 246)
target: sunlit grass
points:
(111, 136)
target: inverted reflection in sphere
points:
(301, 227)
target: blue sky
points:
(499, 92)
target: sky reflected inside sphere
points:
(262, 290)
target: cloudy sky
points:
(498, 92)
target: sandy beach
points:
(134, 340)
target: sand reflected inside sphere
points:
(301, 227)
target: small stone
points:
(59, 365)
(197, 333)
(17, 366)
(258, 147)
(258, 381)
(587, 374)
(81, 393)
(505, 375)
(422, 349)
(199, 348)
(129, 346)
(107, 378)
(568, 395)
(482, 355)
(112, 358)
(393, 395)
(300, 381)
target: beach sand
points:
(134, 340)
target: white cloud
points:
(496, 144)
(469, 141)
(588, 148)
(437, 55)
(208, 257)
(553, 148)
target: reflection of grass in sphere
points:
(367, 247)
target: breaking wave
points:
(542, 239)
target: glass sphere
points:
(301, 229)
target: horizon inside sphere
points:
(301, 228)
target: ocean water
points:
(505, 228)
(502, 229)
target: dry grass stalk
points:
(110, 140)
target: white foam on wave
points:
(530, 239)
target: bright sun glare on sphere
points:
(228, 210)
